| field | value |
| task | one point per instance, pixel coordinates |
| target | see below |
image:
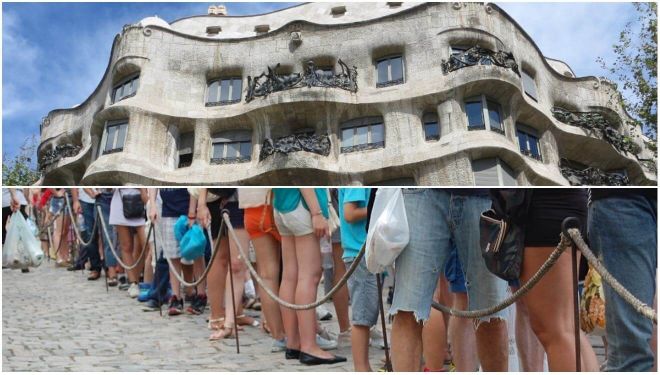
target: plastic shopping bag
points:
(21, 248)
(388, 231)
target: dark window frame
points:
(119, 124)
(426, 121)
(121, 84)
(391, 81)
(231, 98)
(529, 135)
(484, 103)
(365, 122)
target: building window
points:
(362, 134)
(529, 85)
(493, 172)
(431, 126)
(232, 147)
(390, 71)
(125, 88)
(224, 91)
(483, 113)
(185, 146)
(114, 137)
(528, 141)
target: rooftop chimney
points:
(217, 10)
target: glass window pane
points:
(213, 92)
(224, 90)
(494, 115)
(474, 114)
(110, 138)
(118, 93)
(377, 133)
(529, 85)
(246, 149)
(431, 130)
(382, 71)
(534, 146)
(522, 141)
(237, 86)
(136, 84)
(232, 150)
(361, 135)
(121, 135)
(347, 137)
(396, 65)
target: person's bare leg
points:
(238, 272)
(406, 342)
(198, 270)
(140, 244)
(463, 338)
(268, 266)
(530, 350)
(188, 275)
(216, 280)
(308, 256)
(493, 345)
(360, 348)
(340, 299)
(126, 244)
(589, 361)
(288, 291)
(174, 282)
(148, 269)
(434, 337)
(550, 306)
(63, 244)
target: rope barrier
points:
(272, 294)
(112, 246)
(75, 226)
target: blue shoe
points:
(144, 286)
(144, 295)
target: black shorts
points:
(235, 216)
(548, 209)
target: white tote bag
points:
(21, 248)
(388, 231)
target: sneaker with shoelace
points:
(176, 306)
(198, 305)
(133, 290)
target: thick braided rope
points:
(545, 267)
(638, 305)
(274, 295)
(112, 246)
(75, 227)
(202, 277)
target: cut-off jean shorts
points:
(363, 290)
(437, 219)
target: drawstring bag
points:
(388, 232)
(180, 227)
(193, 243)
(21, 248)
(592, 304)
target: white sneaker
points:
(278, 345)
(133, 290)
(323, 314)
(323, 332)
(325, 344)
(376, 340)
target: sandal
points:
(244, 320)
(112, 281)
(264, 327)
(216, 324)
(223, 333)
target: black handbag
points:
(502, 232)
(132, 205)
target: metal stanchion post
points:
(388, 362)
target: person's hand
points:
(14, 205)
(191, 221)
(153, 213)
(76, 207)
(320, 226)
(203, 214)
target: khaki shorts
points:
(295, 223)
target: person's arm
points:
(319, 223)
(203, 214)
(153, 209)
(14, 204)
(76, 201)
(144, 194)
(192, 211)
(353, 213)
(91, 192)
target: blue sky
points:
(54, 54)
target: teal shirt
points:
(286, 200)
(353, 235)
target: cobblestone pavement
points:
(54, 320)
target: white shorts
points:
(169, 245)
(295, 223)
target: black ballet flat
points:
(310, 360)
(292, 354)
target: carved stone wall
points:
(318, 144)
(60, 151)
(480, 56)
(591, 176)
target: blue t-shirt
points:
(175, 202)
(286, 200)
(353, 234)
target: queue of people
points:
(298, 234)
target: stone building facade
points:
(342, 94)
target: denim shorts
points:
(363, 289)
(437, 219)
(454, 272)
(56, 205)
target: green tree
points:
(20, 171)
(635, 68)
